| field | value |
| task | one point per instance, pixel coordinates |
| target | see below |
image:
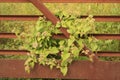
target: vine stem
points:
(90, 53)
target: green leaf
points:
(49, 23)
(87, 29)
(28, 61)
(64, 70)
(65, 56)
(32, 64)
(61, 42)
(90, 39)
(80, 42)
(54, 50)
(68, 23)
(64, 63)
(76, 51)
(70, 31)
(70, 41)
(51, 67)
(27, 69)
(58, 25)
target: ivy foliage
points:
(59, 53)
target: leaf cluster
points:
(57, 53)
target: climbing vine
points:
(59, 53)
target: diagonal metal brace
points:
(49, 15)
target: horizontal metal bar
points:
(65, 1)
(105, 53)
(108, 53)
(98, 36)
(104, 18)
(107, 36)
(25, 52)
(98, 18)
(20, 17)
(13, 52)
(77, 70)
(61, 36)
(8, 35)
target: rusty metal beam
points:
(107, 36)
(108, 53)
(8, 35)
(77, 70)
(98, 36)
(39, 5)
(61, 36)
(105, 54)
(20, 17)
(25, 52)
(13, 52)
(97, 18)
(104, 18)
(63, 1)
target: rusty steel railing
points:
(79, 69)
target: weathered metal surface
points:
(108, 53)
(78, 70)
(67, 1)
(14, 52)
(107, 36)
(20, 17)
(97, 36)
(97, 18)
(8, 35)
(25, 52)
(105, 18)
(39, 5)
(90, 54)
(61, 36)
